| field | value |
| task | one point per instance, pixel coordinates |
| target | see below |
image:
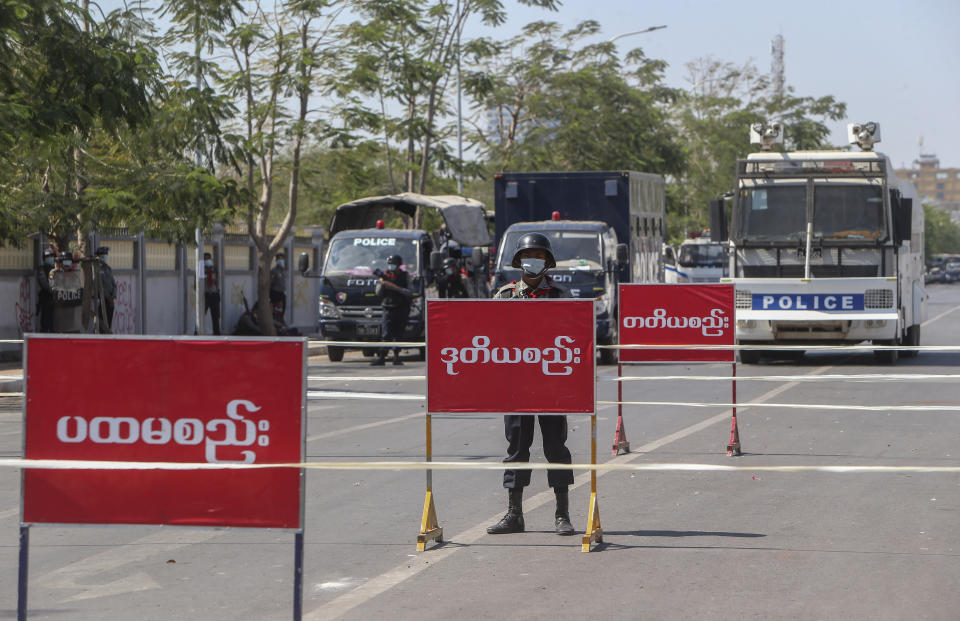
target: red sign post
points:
(182, 400)
(511, 357)
(688, 315)
(692, 316)
(479, 351)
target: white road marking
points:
(86, 569)
(340, 606)
(940, 316)
(348, 430)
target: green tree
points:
(563, 105)
(713, 118)
(404, 56)
(941, 235)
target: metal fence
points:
(156, 286)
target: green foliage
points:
(713, 118)
(941, 235)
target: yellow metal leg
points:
(429, 525)
(594, 532)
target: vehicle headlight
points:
(328, 310)
(416, 307)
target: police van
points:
(826, 247)
(358, 249)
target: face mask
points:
(103, 258)
(48, 261)
(280, 263)
(449, 271)
(392, 268)
(208, 262)
(67, 264)
(533, 267)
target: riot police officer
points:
(534, 256)
(66, 281)
(395, 301)
(44, 292)
(450, 282)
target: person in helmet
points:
(534, 256)
(44, 291)
(395, 300)
(66, 281)
(451, 280)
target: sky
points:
(891, 61)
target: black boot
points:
(378, 361)
(512, 522)
(562, 515)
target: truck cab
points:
(826, 247)
(349, 307)
(697, 260)
(587, 264)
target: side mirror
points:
(668, 257)
(303, 263)
(436, 260)
(718, 221)
(902, 220)
(623, 254)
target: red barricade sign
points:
(510, 356)
(165, 400)
(677, 315)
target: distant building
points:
(937, 186)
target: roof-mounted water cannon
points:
(864, 135)
(766, 135)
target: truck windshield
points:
(573, 250)
(778, 213)
(693, 255)
(362, 255)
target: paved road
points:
(677, 545)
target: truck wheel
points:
(749, 356)
(421, 353)
(335, 354)
(369, 352)
(886, 356)
(912, 339)
(608, 356)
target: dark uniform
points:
(534, 256)
(396, 308)
(450, 282)
(278, 283)
(211, 292)
(519, 428)
(108, 285)
(45, 292)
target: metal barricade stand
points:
(430, 529)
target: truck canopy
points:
(463, 217)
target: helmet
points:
(66, 256)
(450, 262)
(48, 252)
(395, 259)
(102, 250)
(533, 240)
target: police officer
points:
(395, 300)
(211, 292)
(278, 283)
(450, 282)
(67, 285)
(44, 292)
(108, 287)
(534, 256)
